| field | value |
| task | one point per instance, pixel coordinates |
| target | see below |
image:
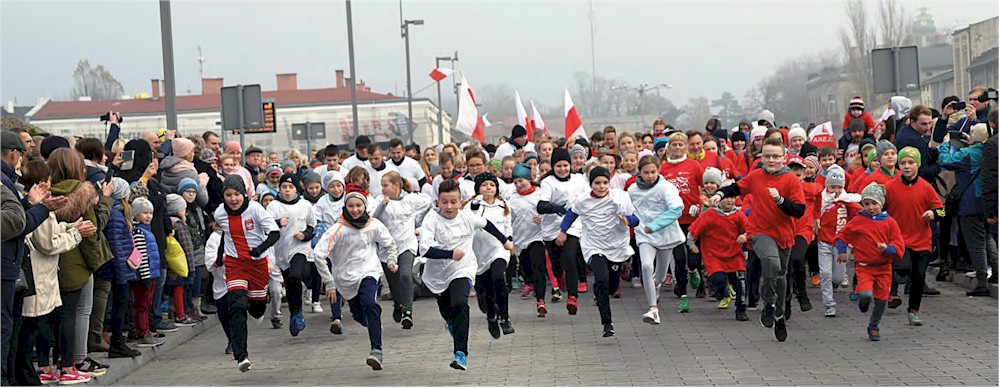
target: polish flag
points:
(522, 116)
(441, 73)
(574, 126)
(469, 122)
(486, 123)
(536, 119)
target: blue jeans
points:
(156, 311)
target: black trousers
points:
(681, 253)
(918, 276)
(533, 263)
(239, 306)
(299, 270)
(812, 258)
(565, 260)
(491, 287)
(40, 333)
(754, 272)
(7, 288)
(606, 281)
(797, 269)
(453, 304)
(738, 280)
(67, 326)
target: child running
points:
(721, 233)
(559, 189)
(606, 216)
(491, 287)
(876, 242)
(658, 206)
(296, 220)
(837, 209)
(445, 240)
(358, 238)
(527, 231)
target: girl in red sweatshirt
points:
(876, 241)
(721, 233)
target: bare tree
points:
(895, 24)
(95, 82)
(695, 113)
(857, 40)
(730, 111)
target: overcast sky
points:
(700, 47)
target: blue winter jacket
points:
(120, 239)
(965, 162)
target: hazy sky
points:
(700, 47)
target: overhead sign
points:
(895, 69)
(243, 108)
(314, 132)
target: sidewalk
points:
(122, 367)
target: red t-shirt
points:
(863, 180)
(718, 235)
(686, 177)
(765, 217)
(906, 203)
(865, 233)
(833, 220)
(814, 198)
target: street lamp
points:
(409, 91)
(642, 89)
(437, 64)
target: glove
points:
(561, 210)
(693, 210)
(256, 252)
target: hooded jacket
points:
(965, 162)
(120, 239)
(51, 239)
(173, 169)
(76, 265)
(12, 250)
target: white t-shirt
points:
(507, 149)
(560, 193)
(353, 253)
(249, 229)
(449, 234)
(410, 169)
(523, 209)
(603, 233)
(401, 217)
(300, 216)
(328, 211)
(651, 204)
(375, 187)
(486, 246)
(322, 169)
(350, 163)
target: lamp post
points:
(437, 64)
(454, 81)
(642, 89)
(409, 91)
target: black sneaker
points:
(397, 314)
(780, 332)
(979, 291)
(165, 327)
(506, 326)
(556, 296)
(742, 316)
(92, 368)
(609, 330)
(122, 351)
(804, 303)
(700, 293)
(942, 276)
(863, 305)
(767, 316)
(209, 309)
(895, 302)
(407, 320)
(494, 327)
(336, 327)
(276, 323)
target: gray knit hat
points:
(874, 191)
(882, 147)
(578, 149)
(141, 205)
(835, 176)
(712, 175)
(175, 203)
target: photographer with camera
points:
(114, 118)
(976, 110)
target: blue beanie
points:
(522, 171)
(659, 142)
(187, 184)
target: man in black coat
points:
(917, 134)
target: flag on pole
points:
(469, 122)
(522, 116)
(441, 73)
(822, 135)
(574, 126)
(536, 119)
(486, 123)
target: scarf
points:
(281, 199)
(527, 192)
(697, 157)
(357, 223)
(182, 166)
(643, 184)
(246, 204)
(675, 161)
(310, 198)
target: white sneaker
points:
(846, 282)
(244, 365)
(636, 283)
(307, 295)
(830, 312)
(652, 316)
(317, 307)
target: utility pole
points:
(167, 43)
(350, 55)
(405, 29)
(593, 55)
(437, 64)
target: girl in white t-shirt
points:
(559, 189)
(605, 215)
(296, 219)
(446, 241)
(491, 284)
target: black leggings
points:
(492, 287)
(453, 304)
(565, 260)
(239, 305)
(535, 273)
(606, 282)
(754, 272)
(299, 270)
(41, 332)
(67, 326)
(681, 253)
(797, 270)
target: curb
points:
(963, 281)
(122, 367)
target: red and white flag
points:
(469, 122)
(822, 135)
(441, 73)
(536, 119)
(574, 126)
(522, 116)
(486, 123)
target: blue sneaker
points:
(872, 334)
(451, 332)
(459, 361)
(853, 297)
(297, 324)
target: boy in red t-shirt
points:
(721, 233)
(876, 242)
(914, 204)
(778, 200)
(836, 209)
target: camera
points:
(989, 94)
(107, 117)
(958, 105)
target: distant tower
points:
(923, 28)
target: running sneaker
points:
(582, 288)
(741, 315)
(336, 327)
(652, 316)
(780, 332)
(276, 323)
(165, 327)
(830, 312)
(74, 376)
(50, 378)
(540, 307)
(571, 305)
(617, 294)
(374, 359)
(494, 327)
(815, 280)
(895, 302)
(506, 326)
(636, 283)
(460, 361)
(724, 303)
(147, 341)
(92, 368)
(296, 324)
(669, 281)
(407, 320)
(683, 308)
(694, 279)
(864, 304)
(767, 316)
(846, 282)
(914, 319)
(397, 313)
(873, 333)
(609, 330)
(317, 307)
(556, 295)
(185, 321)
(229, 349)
(244, 365)
(527, 291)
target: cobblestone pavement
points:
(956, 346)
